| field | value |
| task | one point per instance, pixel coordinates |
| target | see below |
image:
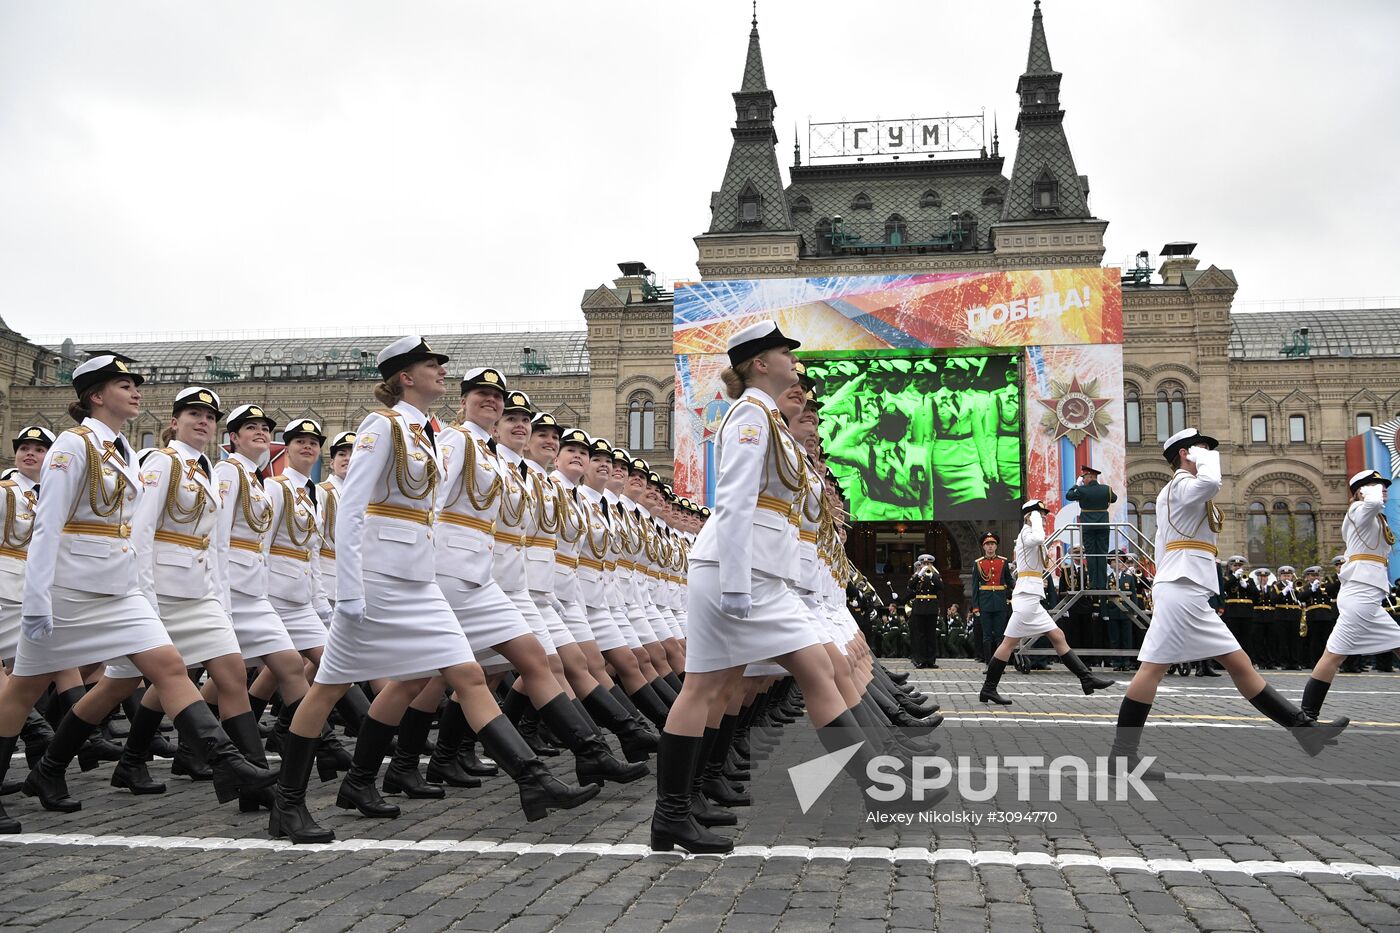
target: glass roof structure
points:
(1263, 335)
(543, 352)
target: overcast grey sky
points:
(227, 165)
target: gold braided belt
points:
(244, 544)
(14, 552)
(293, 553)
(591, 564)
(808, 536)
(1370, 557)
(548, 541)
(1192, 545)
(328, 553)
(98, 528)
(190, 541)
(564, 560)
(401, 512)
(467, 521)
(510, 539)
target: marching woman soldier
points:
(601, 595)
(19, 496)
(341, 446)
(743, 606)
(651, 657)
(642, 537)
(1363, 625)
(391, 619)
(245, 528)
(1184, 626)
(171, 532)
(82, 597)
(1028, 616)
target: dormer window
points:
(1040, 95)
(801, 205)
(749, 206)
(1046, 193)
(930, 198)
(861, 202)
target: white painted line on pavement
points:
(808, 853)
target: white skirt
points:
(575, 619)
(604, 628)
(1363, 627)
(558, 632)
(763, 669)
(527, 608)
(487, 615)
(303, 625)
(669, 618)
(1028, 617)
(198, 627)
(9, 628)
(90, 628)
(778, 623)
(408, 631)
(1184, 627)
(258, 627)
(624, 626)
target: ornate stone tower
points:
(749, 220)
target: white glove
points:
(36, 628)
(325, 613)
(1079, 482)
(735, 604)
(1239, 574)
(1373, 492)
(1208, 460)
(1037, 522)
(352, 610)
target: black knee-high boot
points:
(522, 716)
(357, 791)
(469, 761)
(353, 708)
(1132, 716)
(713, 783)
(663, 689)
(594, 763)
(402, 775)
(623, 700)
(131, 771)
(540, 791)
(7, 750)
(844, 731)
(243, 733)
(1314, 694)
(706, 812)
(652, 706)
(443, 766)
(35, 733)
(672, 822)
(1312, 735)
(1088, 680)
(289, 817)
(46, 780)
(673, 681)
(637, 743)
(995, 668)
(232, 772)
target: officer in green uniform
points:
(991, 595)
(1094, 499)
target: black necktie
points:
(311, 491)
(428, 430)
(35, 490)
(204, 466)
(121, 449)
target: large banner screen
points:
(923, 438)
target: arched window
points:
(801, 205)
(1171, 410)
(1132, 409)
(750, 205)
(671, 421)
(1047, 192)
(1147, 519)
(1256, 530)
(1305, 527)
(641, 422)
(896, 231)
(930, 198)
(861, 202)
(991, 197)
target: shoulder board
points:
(171, 451)
(326, 485)
(279, 479)
(8, 484)
(387, 413)
(81, 430)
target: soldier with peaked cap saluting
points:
(1028, 616)
(1094, 498)
(1363, 625)
(83, 601)
(391, 619)
(1185, 627)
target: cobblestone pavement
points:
(179, 862)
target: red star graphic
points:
(1074, 412)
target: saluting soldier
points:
(83, 602)
(990, 605)
(1363, 625)
(1319, 614)
(1262, 593)
(1185, 627)
(1094, 498)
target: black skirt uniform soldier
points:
(1185, 627)
(83, 602)
(391, 619)
(1364, 627)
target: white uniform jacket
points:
(82, 527)
(330, 505)
(1031, 558)
(385, 521)
(541, 528)
(1185, 544)
(240, 537)
(514, 521)
(173, 529)
(1368, 549)
(572, 513)
(471, 493)
(18, 500)
(593, 548)
(754, 526)
(294, 543)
